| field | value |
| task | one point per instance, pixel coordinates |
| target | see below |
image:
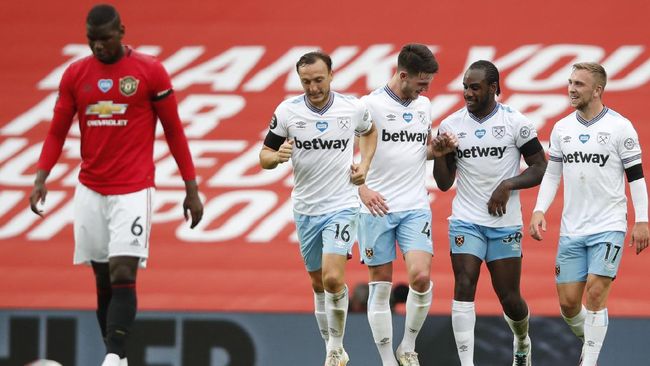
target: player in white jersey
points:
(396, 205)
(486, 223)
(316, 131)
(593, 149)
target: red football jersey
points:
(117, 110)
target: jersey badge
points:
(603, 138)
(629, 143)
(321, 125)
(479, 133)
(105, 109)
(584, 138)
(566, 139)
(128, 85)
(369, 253)
(105, 85)
(422, 117)
(408, 117)
(459, 240)
(498, 132)
(344, 122)
(391, 117)
(524, 132)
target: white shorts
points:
(111, 225)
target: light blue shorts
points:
(598, 254)
(486, 243)
(331, 233)
(377, 235)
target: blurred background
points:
(234, 291)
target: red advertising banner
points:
(231, 63)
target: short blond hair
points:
(597, 70)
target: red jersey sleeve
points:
(64, 110)
(166, 107)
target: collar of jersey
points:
(404, 102)
(593, 120)
(320, 111)
(481, 120)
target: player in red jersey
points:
(118, 95)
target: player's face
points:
(582, 89)
(316, 80)
(106, 41)
(477, 92)
(412, 85)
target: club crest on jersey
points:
(128, 85)
(603, 138)
(479, 133)
(408, 117)
(584, 138)
(459, 240)
(105, 85)
(321, 125)
(524, 132)
(498, 132)
(344, 122)
(422, 117)
(369, 253)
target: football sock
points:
(463, 319)
(321, 316)
(336, 308)
(380, 320)
(417, 308)
(577, 323)
(121, 314)
(520, 330)
(595, 330)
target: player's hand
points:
(358, 174)
(375, 202)
(192, 205)
(536, 222)
(37, 196)
(443, 144)
(499, 200)
(284, 153)
(640, 236)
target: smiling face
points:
(315, 80)
(583, 89)
(478, 93)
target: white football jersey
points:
(594, 155)
(487, 153)
(398, 169)
(323, 150)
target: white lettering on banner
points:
(548, 106)
(22, 221)
(53, 223)
(9, 199)
(11, 146)
(172, 201)
(42, 112)
(224, 72)
(503, 63)
(204, 112)
(285, 65)
(12, 173)
(441, 105)
(618, 61)
(257, 204)
(181, 58)
(273, 224)
(233, 173)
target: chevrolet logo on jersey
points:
(105, 109)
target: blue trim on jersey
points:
(631, 158)
(481, 120)
(399, 100)
(554, 158)
(320, 111)
(593, 120)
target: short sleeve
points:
(278, 124)
(523, 130)
(628, 146)
(364, 119)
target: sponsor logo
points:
(584, 138)
(479, 133)
(320, 144)
(321, 125)
(105, 109)
(603, 138)
(128, 85)
(524, 132)
(629, 143)
(408, 117)
(580, 157)
(274, 122)
(481, 152)
(301, 124)
(462, 135)
(459, 240)
(135, 243)
(344, 122)
(369, 253)
(404, 136)
(566, 139)
(105, 85)
(391, 117)
(498, 132)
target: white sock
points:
(520, 330)
(111, 359)
(463, 319)
(381, 321)
(595, 330)
(417, 308)
(336, 308)
(577, 323)
(321, 316)
(124, 362)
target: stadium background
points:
(231, 64)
